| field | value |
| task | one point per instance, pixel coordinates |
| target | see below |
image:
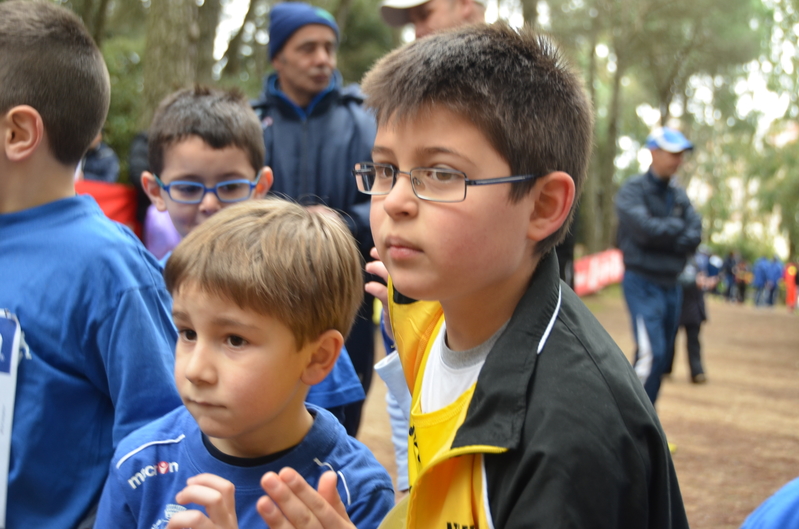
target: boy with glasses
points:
(523, 412)
(206, 152)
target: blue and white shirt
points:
(153, 463)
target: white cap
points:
(395, 12)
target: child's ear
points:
(23, 131)
(265, 183)
(153, 190)
(325, 352)
(553, 196)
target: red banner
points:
(594, 272)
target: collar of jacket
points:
(659, 183)
(274, 92)
(498, 408)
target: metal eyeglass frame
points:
(357, 173)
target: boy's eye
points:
(187, 190)
(439, 176)
(236, 341)
(187, 335)
(232, 187)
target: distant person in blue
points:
(760, 281)
(658, 230)
(315, 131)
(774, 271)
(780, 511)
(100, 162)
(90, 299)
(264, 293)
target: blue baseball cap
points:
(286, 18)
(669, 140)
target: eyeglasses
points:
(194, 192)
(434, 185)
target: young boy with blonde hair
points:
(265, 293)
(206, 152)
(524, 412)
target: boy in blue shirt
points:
(264, 295)
(206, 152)
(523, 411)
(89, 298)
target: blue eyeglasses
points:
(194, 192)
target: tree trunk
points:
(588, 202)
(530, 12)
(98, 30)
(607, 168)
(170, 54)
(207, 22)
(341, 14)
(233, 64)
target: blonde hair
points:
(276, 258)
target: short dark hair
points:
(221, 118)
(49, 61)
(276, 258)
(514, 85)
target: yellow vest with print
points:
(447, 485)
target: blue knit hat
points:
(286, 18)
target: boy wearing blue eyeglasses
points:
(206, 151)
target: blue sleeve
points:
(688, 241)
(136, 343)
(646, 230)
(780, 511)
(369, 509)
(114, 511)
(361, 151)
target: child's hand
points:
(293, 504)
(377, 289)
(216, 495)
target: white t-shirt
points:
(449, 373)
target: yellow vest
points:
(447, 486)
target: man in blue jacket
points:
(315, 131)
(658, 230)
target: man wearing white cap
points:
(429, 16)
(658, 230)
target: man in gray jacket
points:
(658, 230)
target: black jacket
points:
(658, 227)
(581, 445)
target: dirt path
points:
(737, 436)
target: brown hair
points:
(220, 118)
(49, 61)
(276, 258)
(515, 86)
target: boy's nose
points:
(199, 368)
(210, 203)
(401, 200)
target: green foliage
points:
(123, 58)
(366, 39)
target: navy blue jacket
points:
(101, 164)
(658, 227)
(312, 151)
